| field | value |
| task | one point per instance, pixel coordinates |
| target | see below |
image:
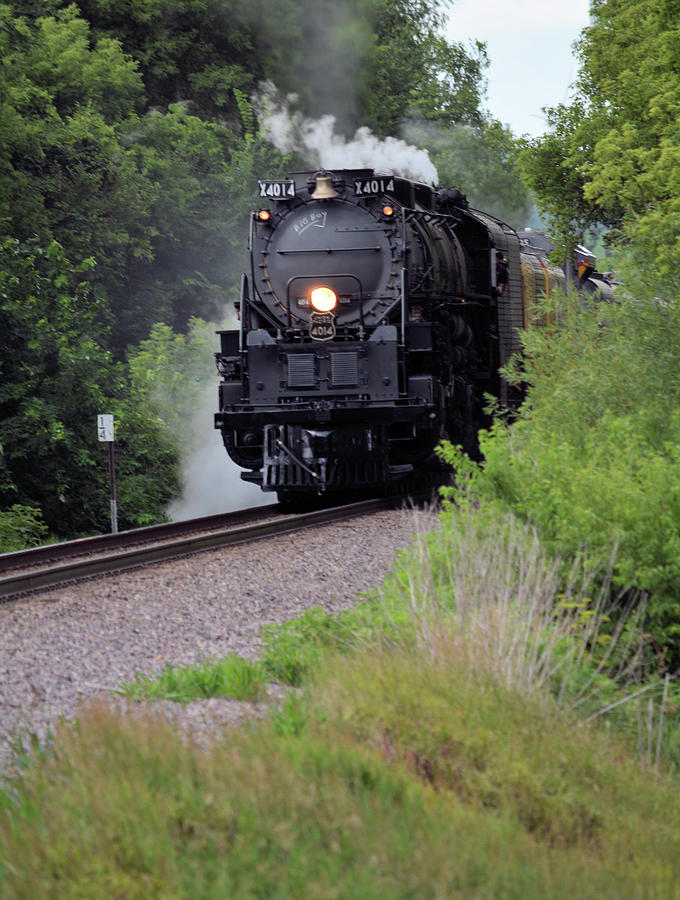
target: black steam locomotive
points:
(377, 314)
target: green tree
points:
(59, 101)
(376, 63)
(159, 200)
(199, 51)
(613, 155)
(55, 380)
(412, 71)
(63, 174)
(481, 161)
(197, 182)
(366, 62)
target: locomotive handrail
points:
(244, 299)
(363, 228)
(403, 305)
(441, 218)
(251, 232)
(296, 459)
(328, 250)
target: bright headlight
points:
(323, 299)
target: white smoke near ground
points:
(317, 142)
(211, 482)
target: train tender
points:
(376, 316)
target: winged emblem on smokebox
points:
(321, 326)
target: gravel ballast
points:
(69, 645)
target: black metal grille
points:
(344, 368)
(301, 370)
(278, 474)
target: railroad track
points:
(35, 569)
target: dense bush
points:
(20, 527)
(592, 458)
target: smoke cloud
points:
(211, 482)
(316, 141)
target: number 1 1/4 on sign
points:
(105, 428)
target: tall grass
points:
(483, 589)
(407, 777)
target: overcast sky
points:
(529, 47)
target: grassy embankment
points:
(492, 723)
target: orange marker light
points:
(323, 299)
(264, 215)
(387, 211)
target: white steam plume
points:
(211, 482)
(317, 142)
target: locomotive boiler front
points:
(331, 243)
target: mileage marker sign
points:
(105, 428)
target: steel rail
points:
(133, 537)
(25, 581)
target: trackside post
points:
(105, 434)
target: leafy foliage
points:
(613, 154)
(197, 181)
(56, 379)
(160, 200)
(52, 373)
(198, 50)
(412, 71)
(61, 102)
(20, 527)
(167, 371)
(592, 459)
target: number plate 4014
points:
(277, 190)
(371, 187)
(322, 326)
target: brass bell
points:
(324, 189)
